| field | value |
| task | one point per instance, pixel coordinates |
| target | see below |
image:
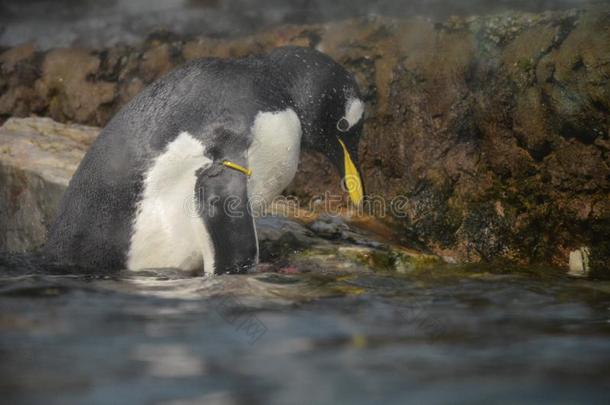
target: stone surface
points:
(37, 158)
(495, 129)
(579, 262)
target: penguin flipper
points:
(222, 198)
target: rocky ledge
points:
(494, 130)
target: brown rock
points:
(11, 58)
(37, 159)
(67, 80)
(156, 61)
(463, 117)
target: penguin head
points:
(328, 102)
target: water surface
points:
(441, 335)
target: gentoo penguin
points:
(169, 180)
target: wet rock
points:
(330, 226)
(579, 262)
(37, 159)
(68, 82)
(18, 72)
(156, 61)
(280, 238)
(600, 255)
(463, 116)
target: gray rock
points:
(37, 159)
(330, 226)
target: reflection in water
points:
(169, 361)
(441, 335)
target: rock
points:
(330, 226)
(579, 262)
(37, 159)
(155, 62)
(38, 156)
(462, 115)
(68, 82)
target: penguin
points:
(171, 179)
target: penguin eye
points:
(343, 125)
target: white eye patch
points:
(354, 109)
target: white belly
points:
(273, 155)
(168, 232)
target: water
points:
(445, 334)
